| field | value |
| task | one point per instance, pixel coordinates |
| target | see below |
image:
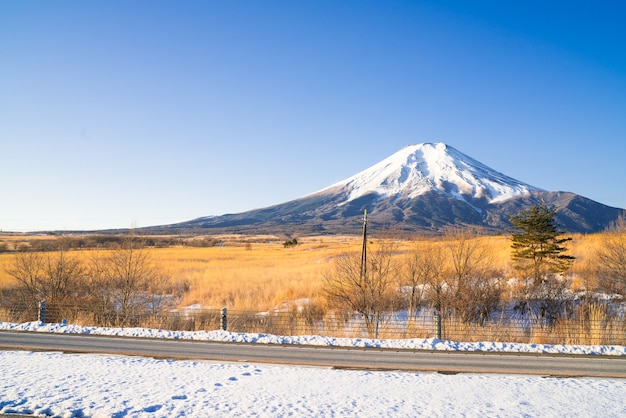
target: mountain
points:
(420, 189)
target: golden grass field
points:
(260, 273)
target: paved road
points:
(383, 359)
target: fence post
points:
(437, 325)
(41, 316)
(224, 319)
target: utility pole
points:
(364, 249)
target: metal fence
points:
(594, 329)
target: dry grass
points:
(263, 274)
(242, 275)
(6, 260)
(256, 276)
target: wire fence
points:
(594, 328)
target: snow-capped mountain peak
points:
(423, 187)
(417, 169)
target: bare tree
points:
(117, 286)
(369, 290)
(53, 277)
(27, 270)
(611, 258)
(474, 286)
(63, 275)
(100, 290)
(126, 285)
(423, 278)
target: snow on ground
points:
(226, 336)
(76, 385)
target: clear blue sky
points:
(139, 113)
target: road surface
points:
(337, 357)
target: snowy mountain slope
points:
(420, 189)
(418, 169)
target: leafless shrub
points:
(611, 258)
(125, 284)
(474, 286)
(53, 277)
(370, 290)
(423, 279)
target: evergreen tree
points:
(537, 246)
(538, 254)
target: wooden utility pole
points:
(364, 249)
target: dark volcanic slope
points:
(421, 189)
(428, 213)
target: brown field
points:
(260, 273)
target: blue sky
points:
(122, 114)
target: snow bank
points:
(410, 344)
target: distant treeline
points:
(101, 241)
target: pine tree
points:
(537, 246)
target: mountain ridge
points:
(422, 188)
